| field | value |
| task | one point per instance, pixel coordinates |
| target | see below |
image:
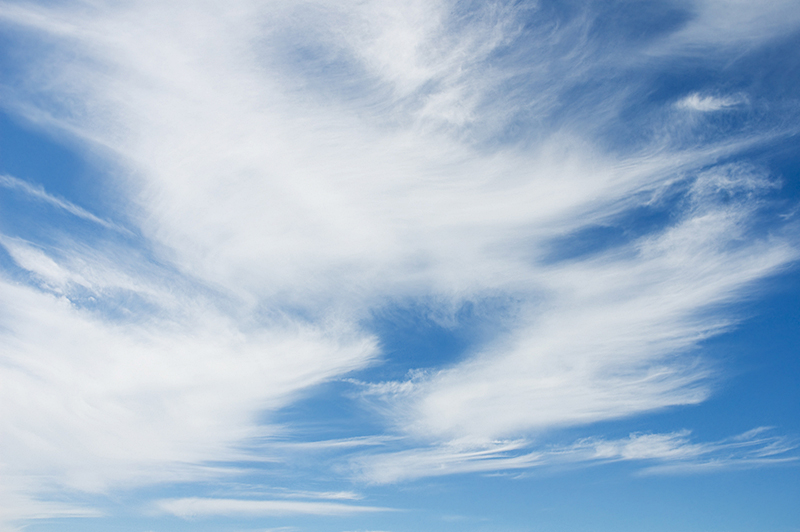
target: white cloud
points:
(39, 193)
(332, 495)
(38, 262)
(198, 507)
(696, 102)
(447, 459)
(734, 23)
(94, 404)
(610, 337)
(253, 491)
(730, 181)
(18, 504)
(670, 453)
(328, 445)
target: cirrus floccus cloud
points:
(590, 189)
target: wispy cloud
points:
(22, 501)
(331, 495)
(733, 23)
(39, 193)
(109, 411)
(200, 507)
(670, 453)
(615, 346)
(696, 102)
(368, 531)
(271, 492)
(343, 443)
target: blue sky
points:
(389, 267)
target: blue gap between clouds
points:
(412, 336)
(63, 172)
(36, 158)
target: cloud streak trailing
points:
(295, 168)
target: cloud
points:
(253, 491)
(344, 443)
(40, 264)
(39, 193)
(333, 495)
(666, 453)
(199, 507)
(696, 102)
(18, 504)
(96, 404)
(447, 459)
(293, 168)
(733, 23)
(611, 347)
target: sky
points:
(377, 266)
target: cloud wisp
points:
(657, 454)
(199, 507)
(696, 102)
(293, 168)
(40, 194)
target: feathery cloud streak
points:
(193, 507)
(672, 453)
(40, 194)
